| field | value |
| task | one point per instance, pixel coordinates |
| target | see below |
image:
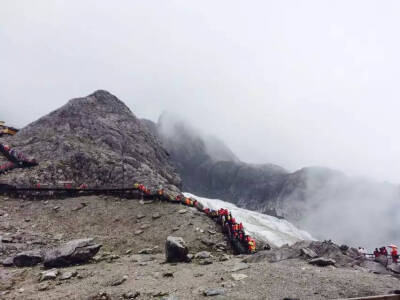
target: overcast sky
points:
(295, 83)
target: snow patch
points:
(269, 229)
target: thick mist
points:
(327, 203)
(179, 133)
(295, 83)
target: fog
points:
(351, 210)
(331, 205)
(287, 82)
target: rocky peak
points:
(95, 140)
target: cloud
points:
(291, 83)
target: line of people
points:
(235, 231)
(383, 252)
(241, 242)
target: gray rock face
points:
(202, 255)
(308, 253)
(94, 140)
(8, 262)
(322, 262)
(175, 249)
(383, 260)
(325, 249)
(73, 252)
(374, 267)
(395, 268)
(213, 292)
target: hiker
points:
(383, 251)
(160, 193)
(376, 253)
(252, 245)
(229, 218)
(223, 220)
(394, 254)
(241, 235)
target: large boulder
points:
(176, 249)
(383, 260)
(308, 253)
(395, 268)
(374, 267)
(322, 262)
(73, 252)
(28, 258)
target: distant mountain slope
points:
(209, 168)
(325, 202)
(94, 140)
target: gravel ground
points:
(118, 269)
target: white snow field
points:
(276, 232)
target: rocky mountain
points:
(94, 140)
(323, 201)
(209, 168)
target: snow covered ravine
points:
(274, 231)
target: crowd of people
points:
(382, 251)
(241, 242)
(235, 231)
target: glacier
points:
(276, 232)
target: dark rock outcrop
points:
(175, 249)
(28, 258)
(94, 140)
(73, 252)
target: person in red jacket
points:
(394, 255)
(376, 253)
(240, 226)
